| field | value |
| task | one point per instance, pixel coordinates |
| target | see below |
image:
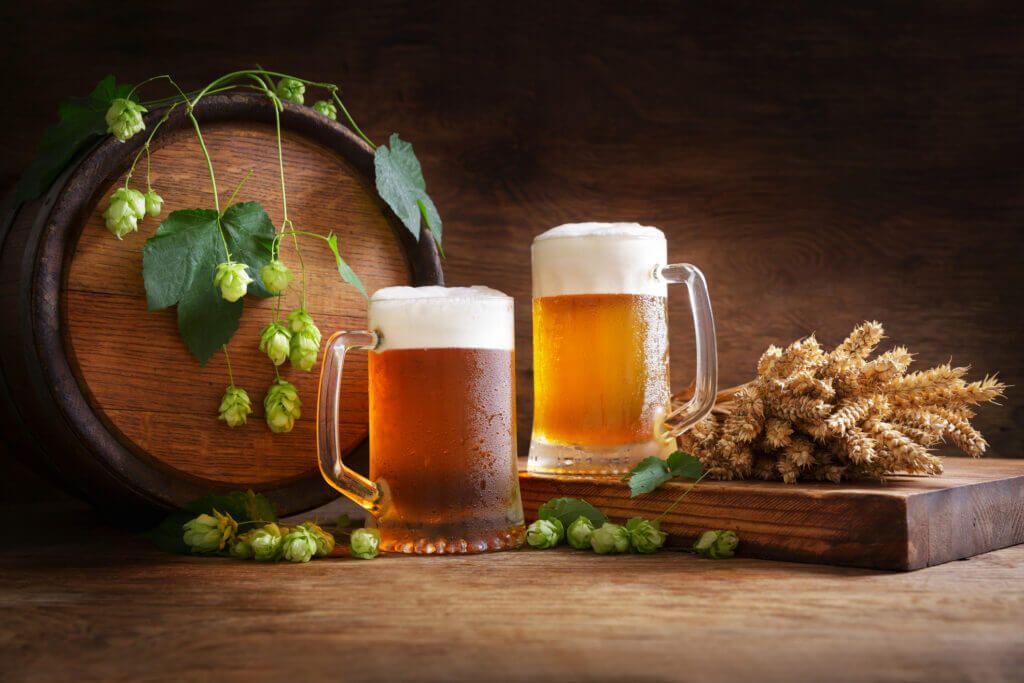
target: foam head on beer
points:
(598, 258)
(442, 317)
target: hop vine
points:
(224, 251)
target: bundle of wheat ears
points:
(817, 415)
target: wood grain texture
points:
(138, 373)
(906, 522)
(822, 164)
(120, 610)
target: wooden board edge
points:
(959, 522)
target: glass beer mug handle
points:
(347, 481)
(706, 384)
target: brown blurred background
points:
(822, 164)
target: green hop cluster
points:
(241, 547)
(235, 407)
(324, 541)
(209, 533)
(126, 208)
(154, 202)
(291, 90)
(274, 341)
(716, 545)
(364, 543)
(124, 118)
(327, 109)
(275, 276)
(282, 406)
(266, 542)
(304, 346)
(578, 533)
(233, 280)
(609, 538)
(299, 545)
(644, 536)
(545, 533)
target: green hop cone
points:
(209, 533)
(364, 543)
(282, 406)
(716, 545)
(291, 90)
(241, 548)
(610, 538)
(578, 533)
(644, 536)
(235, 407)
(275, 341)
(545, 533)
(299, 545)
(301, 321)
(327, 109)
(233, 280)
(275, 276)
(266, 542)
(154, 202)
(304, 349)
(124, 118)
(324, 540)
(126, 208)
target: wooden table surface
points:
(97, 603)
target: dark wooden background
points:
(822, 164)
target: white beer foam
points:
(598, 258)
(442, 317)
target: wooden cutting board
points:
(904, 523)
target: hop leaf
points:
(276, 276)
(652, 472)
(327, 109)
(180, 261)
(124, 118)
(299, 545)
(282, 406)
(400, 183)
(291, 90)
(126, 208)
(233, 280)
(364, 543)
(644, 536)
(235, 407)
(305, 346)
(275, 341)
(610, 538)
(545, 533)
(154, 203)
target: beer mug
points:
(443, 473)
(600, 348)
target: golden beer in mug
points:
(443, 474)
(600, 348)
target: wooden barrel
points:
(104, 395)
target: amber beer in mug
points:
(443, 475)
(600, 348)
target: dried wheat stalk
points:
(837, 415)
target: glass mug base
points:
(548, 457)
(457, 539)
